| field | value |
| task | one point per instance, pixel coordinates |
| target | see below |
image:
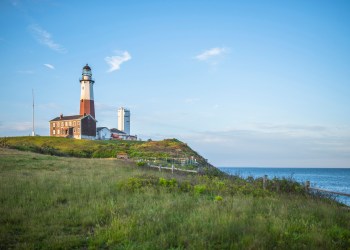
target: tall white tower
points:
(124, 120)
(87, 105)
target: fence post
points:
(264, 181)
(307, 185)
(277, 186)
(172, 168)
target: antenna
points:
(33, 131)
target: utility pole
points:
(33, 131)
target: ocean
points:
(333, 179)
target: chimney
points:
(61, 116)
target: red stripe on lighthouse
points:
(87, 107)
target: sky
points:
(244, 83)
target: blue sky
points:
(245, 83)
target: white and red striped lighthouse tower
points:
(87, 105)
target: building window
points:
(74, 130)
(62, 124)
(53, 124)
(70, 123)
(58, 131)
(78, 122)
(66, 124)
(53, 132)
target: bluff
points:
(165, 151)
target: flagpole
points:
(33, 133)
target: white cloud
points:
(21, 128)
(50, 66)
(275, 146)
(16, 126)
(210, 53)
(115, 61)
(45, 38)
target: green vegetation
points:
(97, 149)
(50, 202)
(160, 152)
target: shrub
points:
(167, 183)
(141, 164)
(218, 198)
(220, 185)
(162, 181)
(200, 189)
(286, 185)
(134, 183)
(185, 186)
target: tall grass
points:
(50, 202)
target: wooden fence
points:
(172, 169)
(307, 183)
(307, 188)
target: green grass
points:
(164, 150)
(49, 202)
(99, 149)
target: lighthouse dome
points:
(87, 67)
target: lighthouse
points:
(87, 105)
(82, 126)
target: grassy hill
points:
(50, 202)
(166, 150)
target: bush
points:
(185, 186)
(218, 198)
(141, 164)
(286, 185)
(139, 182)
(200, 189)
(167, 183)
